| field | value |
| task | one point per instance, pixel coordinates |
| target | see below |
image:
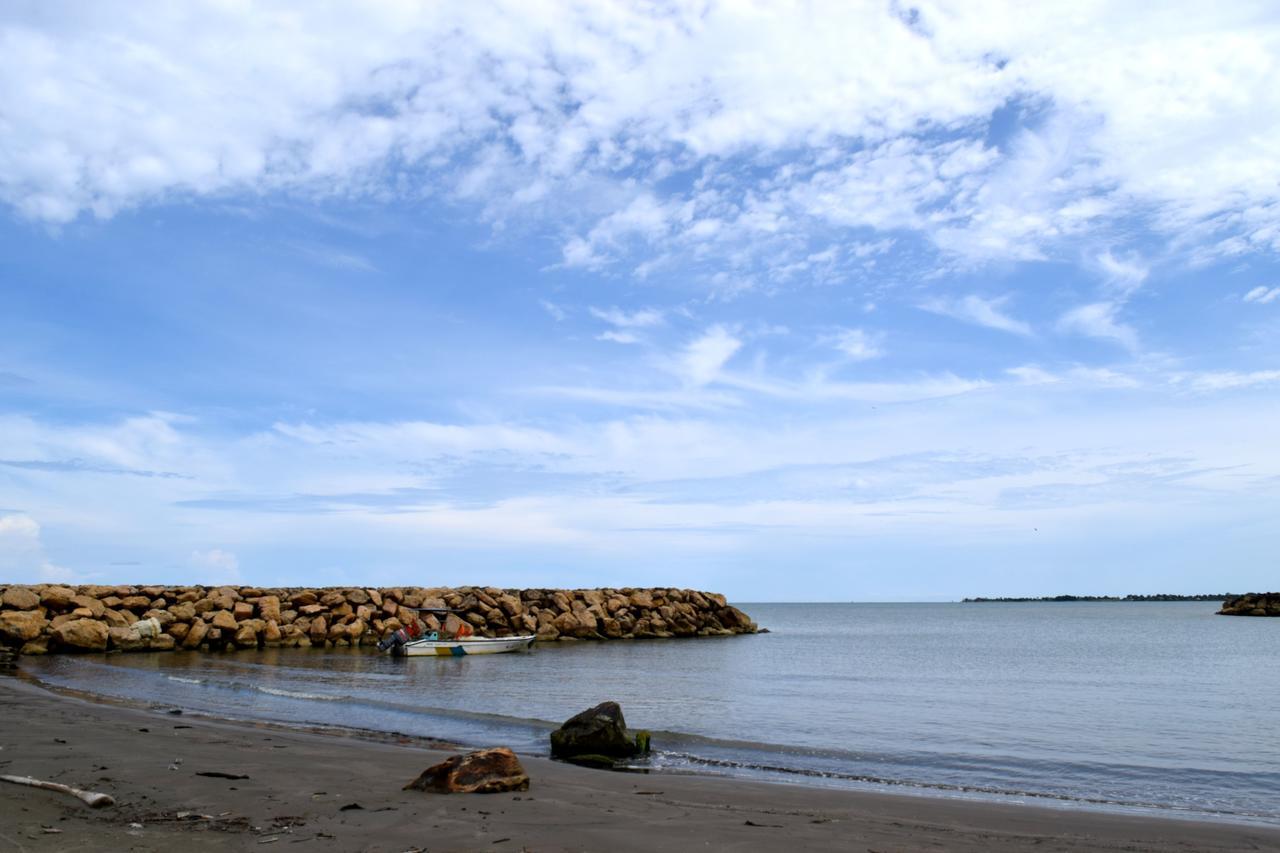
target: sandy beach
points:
(329, 791)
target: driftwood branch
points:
(90, 798)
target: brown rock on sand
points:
(485, 771)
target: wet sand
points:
(333, 792)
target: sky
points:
(815, 301)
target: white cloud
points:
(1262, 295)
(576, 117)
(1226, 380)
(1098, 320)
(858, 344)
(1123, 275)
(22, 554)
(703, 358)
(557, 313)
(983, 312)
(634, 320)
(618, 337)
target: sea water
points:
(1110, 705)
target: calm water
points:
(1112, 705)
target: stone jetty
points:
(52, 618)
(1252, 604)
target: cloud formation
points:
(996, 131)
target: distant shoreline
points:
(1069, 598)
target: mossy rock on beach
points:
(601, 730)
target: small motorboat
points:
(412, 641)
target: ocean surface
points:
(1119, 706)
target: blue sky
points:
(846, 302)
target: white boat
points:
(465, 646)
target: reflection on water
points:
(1146, 703)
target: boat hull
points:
(462, 648)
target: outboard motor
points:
(399, 637)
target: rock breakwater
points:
(53, 618)
(1252, 604)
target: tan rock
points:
(241, 611)
(199, 630)
(38, 646)
(319, 629)
(183, 611)
(57, 597)
(357, 596)
(19, 626)
(82, 613)
(269, 608)
(641, 598)
(179, 630)
(191, 596)
(271, 634)
(302, 599)
(126, 639)
(593, 596)
(246, 636)
(311, 609)
(114, 618)
(511, 605)
(83, 634)
(137, 603)
(164, 617)
(225, 621)
(88, 602)
(389, 606)
(375, 597)
(163, 643)
(20, 598)
(332, 599)
(342, 610)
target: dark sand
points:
(299, 783)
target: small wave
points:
(295, 694)
(185, 680)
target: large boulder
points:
(225, 621)
(601, 730)
(85, 634)
(57, 597)
(19, 626)
(20, 598)
(486, 771)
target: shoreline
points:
(307, 776)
